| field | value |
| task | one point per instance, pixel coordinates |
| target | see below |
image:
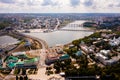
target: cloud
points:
(118, 5)
(31, 3)
(74, 2)
(49, 6)
(110, 5)
(49, 2)
(7, 1)
(88, 3)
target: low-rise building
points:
(105, 52)
(50, 61)
(111, 61)
(87, 49)
(64, 57)
(78, 53)
(18, 53)
(23, 64)
(84, 48)
(11, 59)
(51, 58)
(101, 57)
(105, 60)
(114, 41)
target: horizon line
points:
(60, 13)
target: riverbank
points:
(20, 46)
(32, 30)
(57, 27)
(40, 41)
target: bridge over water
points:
(76, 26)
(76, 30)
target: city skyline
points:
(59, 6)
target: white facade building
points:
(114, 41)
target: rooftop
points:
(78, 53)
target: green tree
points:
(57, 65)
(26, 77)
(21, 78)
(23, 71)
(76, 43)
(16, 77)
(67, 61)
(68, 51)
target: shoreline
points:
(61, 28)
(42, 44)
(40, 41)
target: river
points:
(62, 37)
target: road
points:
(58, 24)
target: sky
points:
(59, 6)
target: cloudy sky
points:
(59, 6)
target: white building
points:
(104, 59)
(18, 53)
(105, 52)
(114, 41)
(101, 58)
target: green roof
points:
(22, 56)
(78, 53)
(31, 60)
(11, 58)
(1, 67)
(20, 62)
(11, 65)
(65, 56)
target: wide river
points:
(63, 37)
